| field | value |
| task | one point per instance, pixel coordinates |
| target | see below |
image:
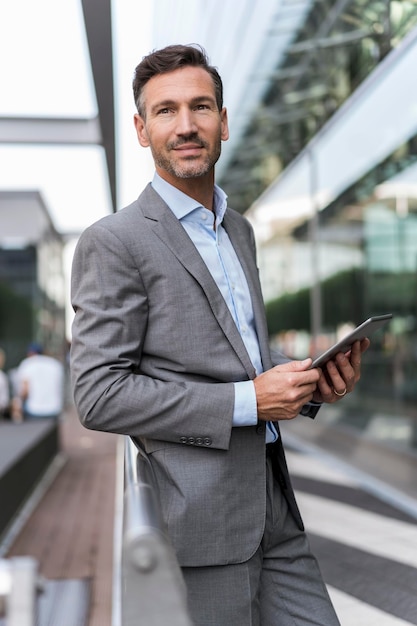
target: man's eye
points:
(202, 107)
(163, 111)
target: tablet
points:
(360, 332)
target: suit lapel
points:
(167, 227)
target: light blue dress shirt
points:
(219, 255)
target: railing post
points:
(18, 590)
(153, 589)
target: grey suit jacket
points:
(154, 355)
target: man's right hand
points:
(282, 391)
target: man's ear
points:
(141, 130)
(224, 125)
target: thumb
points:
(295, 366)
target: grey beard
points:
(187, 170)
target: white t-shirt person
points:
(40, 380)
(4, 393)
(4, 386)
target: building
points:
(32, 289)
(323, 161)
(340, 220)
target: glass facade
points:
(327, 174)
(348, 259)
(377, 239)
(337, 47)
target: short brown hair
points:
(170, 59)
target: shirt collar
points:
(182, 205)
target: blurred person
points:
(170, 346)
(40, 386)
(4, 387)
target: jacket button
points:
(183, 439)
(199, 441)
(191, 441)
(260, 430)
(207, 441)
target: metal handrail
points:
(152, 584)
(19, 588)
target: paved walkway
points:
(70, 533)
(365, 545)
(367, 548)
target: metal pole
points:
(152, 583)
(19, 585)
(313, 230)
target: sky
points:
(43, 73)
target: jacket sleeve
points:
(111, 391)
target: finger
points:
(327, 391)
(356, 358)
(331, 392)
(341, 375)
(294, 366)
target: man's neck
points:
(200, 189)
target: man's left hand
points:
(340, 375)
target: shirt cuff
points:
(245, 412)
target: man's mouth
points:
(189, 149)
(193, 143)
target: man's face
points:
(183, 125)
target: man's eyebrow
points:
(169, 103)
(162, 104)
(200, 99)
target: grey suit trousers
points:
(281, 585)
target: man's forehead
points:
(188, 81)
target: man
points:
(40, 386)
(170, 346)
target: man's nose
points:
(186, 123)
